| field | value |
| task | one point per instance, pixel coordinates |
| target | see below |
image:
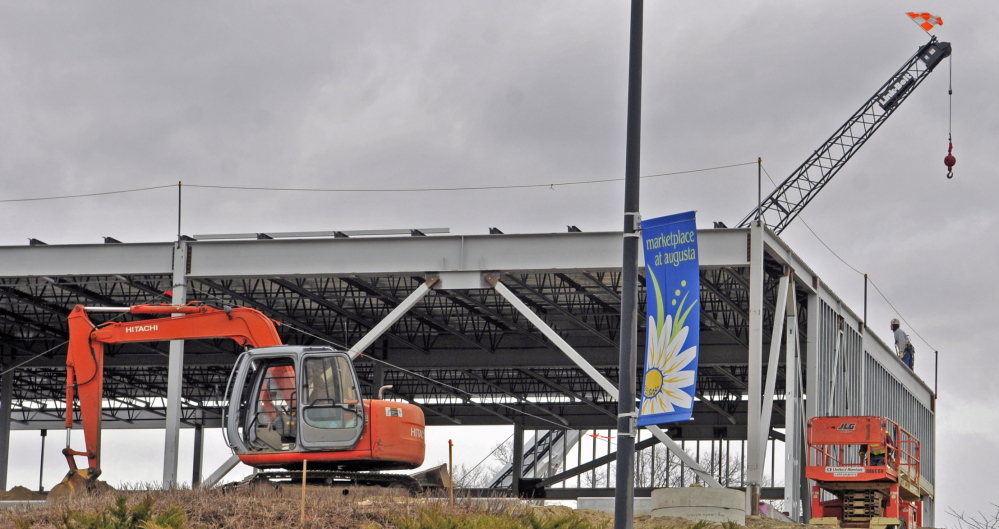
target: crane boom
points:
(785, 202)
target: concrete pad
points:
(642, 505)
(699, 503)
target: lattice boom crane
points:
(786, 201)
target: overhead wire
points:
(43, 353)
(851, 267)
(469, 395)
(484, 459)
(551, 185)
(84, 195)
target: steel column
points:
(754, 448)
(792, 413)
(518, 458)
(835, 365)
(175, 372)
(6, 401)
(199, 454)
(812, 353)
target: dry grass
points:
(325, 508)
(268, 507)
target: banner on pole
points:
(673, 293)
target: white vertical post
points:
(175, 372)
(754, 448)
(6, 398)
(862, 410)
(813, 379)
(835, 369)
(774, 361)
(792, 402)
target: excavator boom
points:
(85, 357)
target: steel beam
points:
(607, 385)
(389, 320)
(220, 472)
(575, 319)
(520, 398)
(549, 333)
(566, 391)
(774, 361)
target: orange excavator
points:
(287, 405)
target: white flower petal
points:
(675, 344)
(664, 403)
(680, 361)
(681, 398)
(679, 379)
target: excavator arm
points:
(85, 360)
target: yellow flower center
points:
(653, 382)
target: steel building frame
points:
(462, 352)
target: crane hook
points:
(950, 161)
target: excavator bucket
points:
(75, 483)
(436, 477)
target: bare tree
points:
(981, 521)
(659, 468)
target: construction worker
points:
(903, 347)
(877, 451)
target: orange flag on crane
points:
(926, 20)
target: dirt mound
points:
(20, 493)
(601, 519)
(642, 521)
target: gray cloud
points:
(103, 96)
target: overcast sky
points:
(109, 96)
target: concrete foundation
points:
(695, 503)
(642, 505)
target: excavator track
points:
(329, 478)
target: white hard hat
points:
(894, 321)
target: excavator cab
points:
(293, 399)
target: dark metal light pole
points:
(624, 498)
(41, 464)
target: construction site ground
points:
(324, 508)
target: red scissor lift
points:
(866, 495)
